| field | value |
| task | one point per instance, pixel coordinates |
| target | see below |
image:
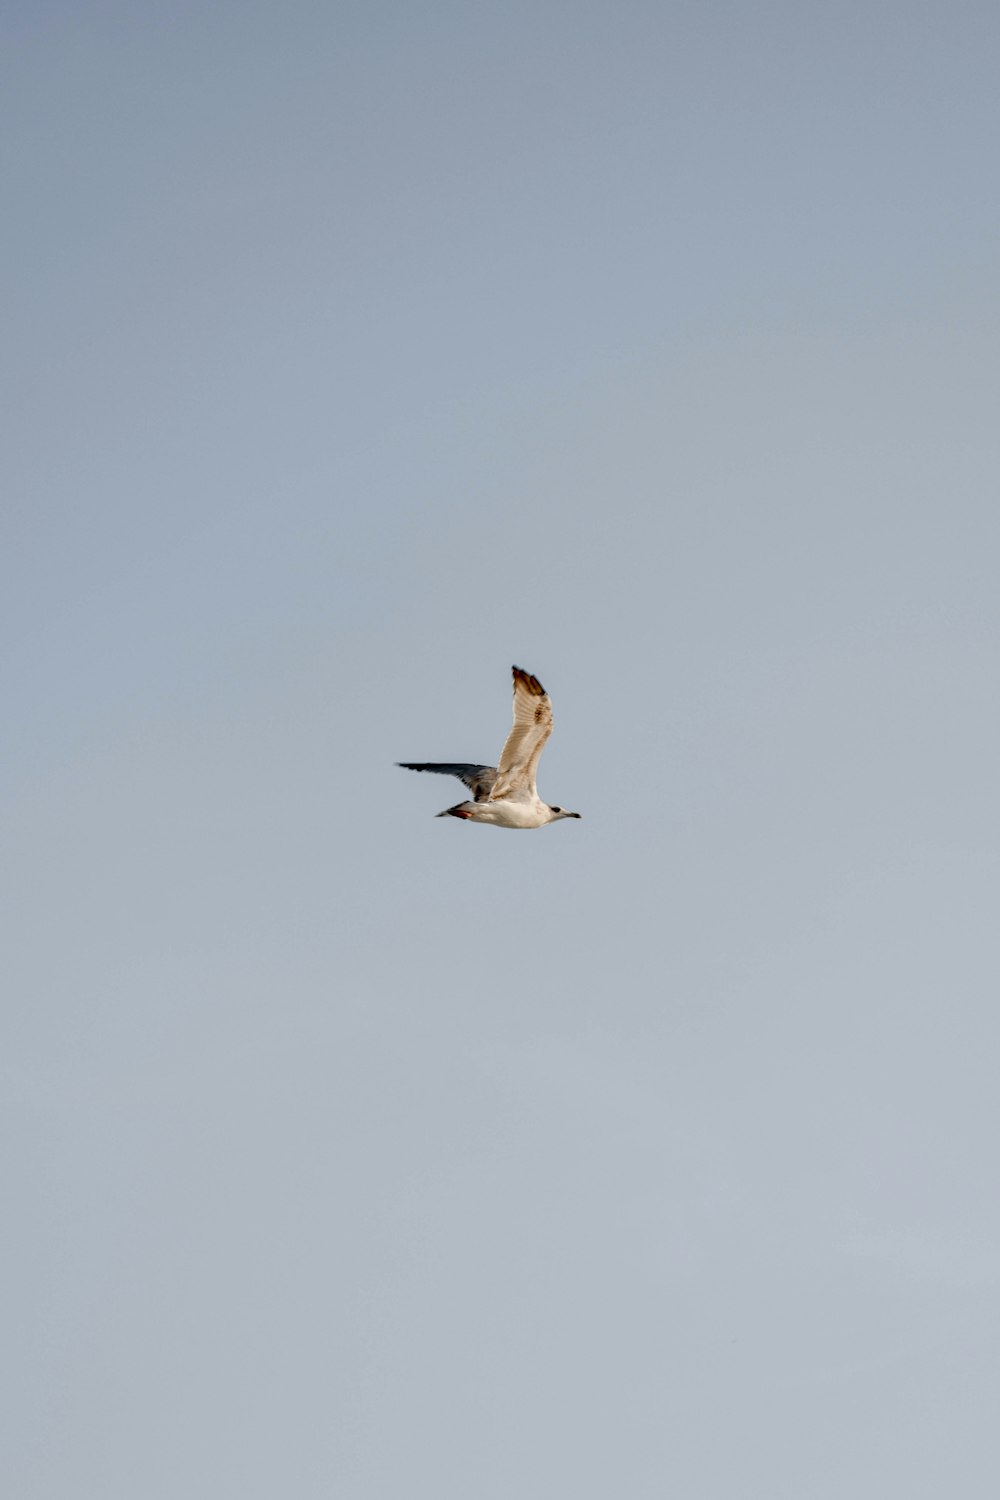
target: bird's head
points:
(560, 812)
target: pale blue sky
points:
(352, 353)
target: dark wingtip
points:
(530, 682)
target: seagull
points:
(506, 795)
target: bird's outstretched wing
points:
(479, 779)
(532, 726)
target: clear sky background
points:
(354, 351)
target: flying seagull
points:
(506, 795)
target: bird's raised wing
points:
(479, 779)
(532, 727)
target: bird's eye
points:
(557, 809)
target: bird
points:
(505, 796)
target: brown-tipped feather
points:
(531, 683)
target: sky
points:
(352, 353)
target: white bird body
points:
(506, 813)
(507, 797)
